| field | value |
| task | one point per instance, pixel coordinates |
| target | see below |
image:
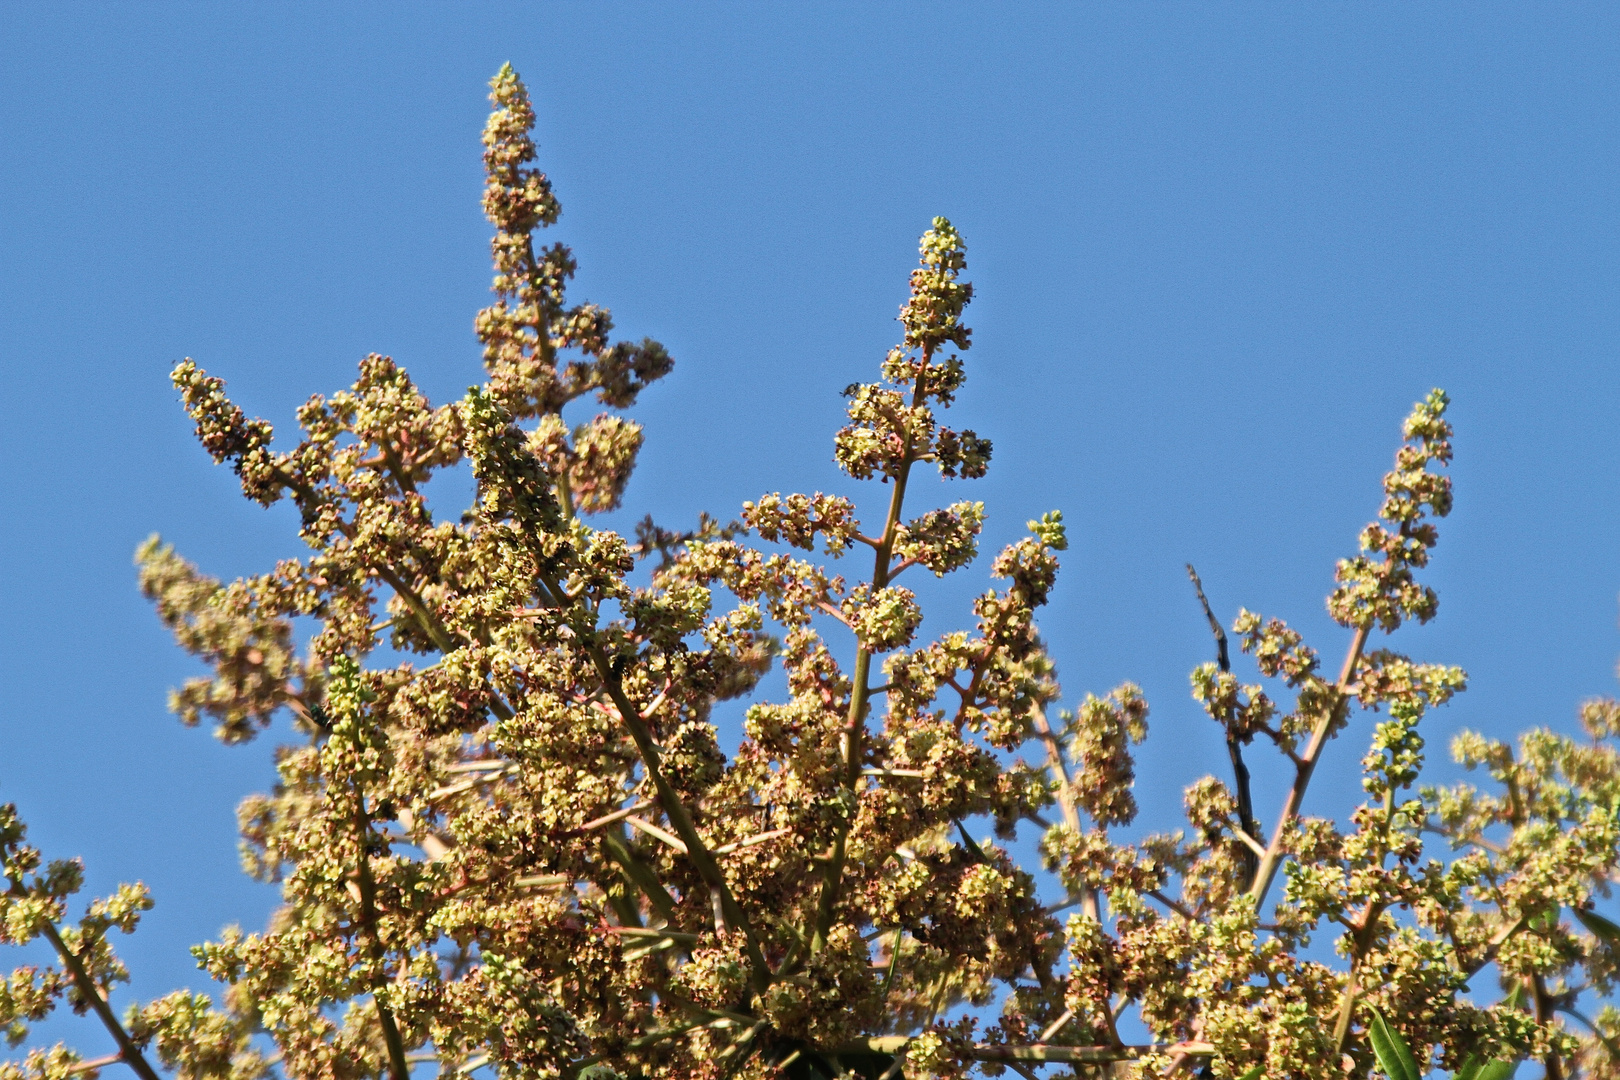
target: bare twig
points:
(1234, 748)
(1174, 905)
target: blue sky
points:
(1218, 251)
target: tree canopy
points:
(510, 839)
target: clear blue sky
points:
(1218, 251)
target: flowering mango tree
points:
(508, 839)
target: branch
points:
(834, 612)
(1056, 1026)
(657, 834)
(433, 844)
(1234, 750)
(855, 722)
(1272, 860)
(1608, 1044)
(648, 932)
(398, 1067)
(1065, 794)
(424, 615)
(609, 819)
(639, 874)
(669, 800)
(1553, 1062)
(747, 842)
(981, 665)
(1055, 760)
(127, 1050)
(1248, 841)
(307, 498)
(1174, 905)
(1361, 941)
(1222, 657)
(895, 1044)
(1499, 939)
(902, 566)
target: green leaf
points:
(1256, 1073)
(1602, 929)
(1473, 1069)
(1394, 1056)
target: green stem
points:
(398, 1067)
(860, 697)
(669, 799)
(1608, 1043)
(424, 615)
(1352, 988)
(894, 964)
(639, 874)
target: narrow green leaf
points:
(1602, 929)
(1500, 1070)
(1394, 1056)
(1256, 1073)
(1468, 1071)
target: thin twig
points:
(1608, 1044)
(757, 838)
(658, 834)
(543, 881)
(609, 819)
(95, 1063)
(648, 932)
(1174, 905)
(1250, 842)
(1234, 748)
(1056, 1026)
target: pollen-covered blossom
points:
(509, 839)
